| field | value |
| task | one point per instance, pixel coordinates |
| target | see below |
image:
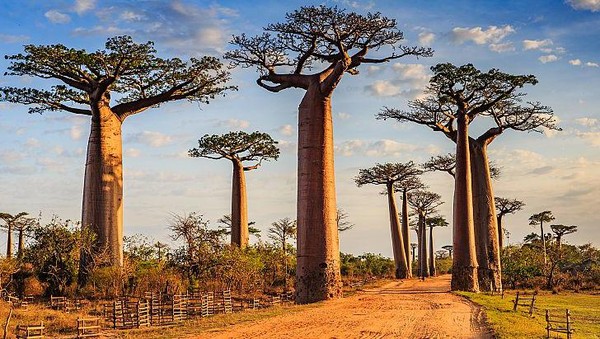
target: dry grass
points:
(585, 313)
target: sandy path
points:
(411, 309)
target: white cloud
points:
(575, 62)
(590, 5)
(587, 122)
(153, 139)
(383, 88)
(501, 48)
(130, 16)
(133, 152)
(32, 143)
(480, 36)
(410, 81)
(234, 123)
(379, 148)
(82, 6)
(591, 64)
(548, 58)
(57, 17)
(10, 157)
(536, 44)
(76, 132)
(286, 130)
(344, 116)
(426, 38)
(593, 138)
(11, 39)
(374, 70)
(101, 30)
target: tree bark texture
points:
(423, 262)
(406, 233)
(500, 232)
(543, 243)
(484, 214)
(21, 246)
(432, 271)
(464, 261)
(239, 206)
(400, 258)
(9, 244)
(318, 268)
(102, 210)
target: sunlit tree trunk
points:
(500, 232)
(239, 206)
(400, 258)
(423, 261)
(103, 185)
(318, 268)
(464, 261)
(484, 213)
(21, 246)
(432, 271)
(406, 233)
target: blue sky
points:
(42, 156)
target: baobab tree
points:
(280, 231)
(225, 222)
(449, 249)
(433, 222)
(454, 98)
(340, 41)
(423, 203)
(540, 219)
(413, 247)
(391, 175)
(447, 163)
(406, 186)
(560, 231)
(12, 223)
(84, 82)
(505, 206)
(238, 147)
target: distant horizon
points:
(42, 157)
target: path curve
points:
(408, 309)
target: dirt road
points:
(409, 309)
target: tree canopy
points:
(447, 163)
(239, 146)
(130, 69)
(507, 206)
(397, 174)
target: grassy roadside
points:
(585, 313)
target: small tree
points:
(447, 163)
(505, 206)
(339, 41)
(423, 203)
(432, 222)
(449, 249)
(12, 223)
(84, 83)
(225, 222)
(238, 147)
(392, 175)
(343, 224)
(280, 231)
(540, 219)
(560, 231)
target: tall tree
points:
(391, 175)
(423, 203)
(340, 41)
(449, 249)
(11, 222)
(84, 83)
(238, 147)
(405, 187)
(540, 219)
(454, 98)
(280, 231)
(560, 231)
(433, 222)
(413, 247)
(505, 206)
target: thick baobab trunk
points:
(432, 271)
(318, 268)
(405, 233)
(464, 262)
(484, 214)
(239, 206)
(21, 246)
(400, 258)
(423, 262)
(9, 244)
(102, 210)
(500, 232)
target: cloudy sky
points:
(42, 156)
